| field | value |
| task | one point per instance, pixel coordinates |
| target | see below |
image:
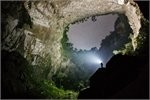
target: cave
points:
(104, 33)
(37, 57)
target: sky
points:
(90, 34)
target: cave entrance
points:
(89, 33)
(101, 34)
(89, 41)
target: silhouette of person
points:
(102, 65)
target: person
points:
(102, 65)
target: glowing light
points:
(93, 59)
(97, 60)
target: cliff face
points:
(35, 28)
(116, 40)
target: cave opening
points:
(97, 35)
(91, 32)
(92, 40)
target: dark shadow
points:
(144, 7)
(124, 77)
(16, 77)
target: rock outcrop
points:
(125, 77)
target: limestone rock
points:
(50, 19)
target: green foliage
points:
(59, 93)
(93, 18)
(46, 89)
(66, 46)
(22, 80)
(127, 49)
(80, 20)
(43, 87)
(142, 42)
(143, 39)
(77, 75)
(63, 78)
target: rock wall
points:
(49, 19)
(14, 19)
